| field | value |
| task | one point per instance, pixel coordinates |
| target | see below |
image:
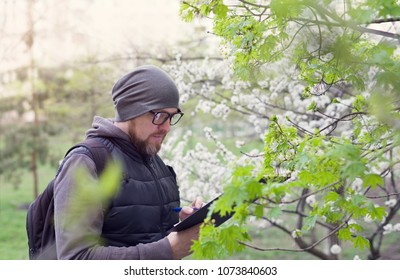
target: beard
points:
(144, 147)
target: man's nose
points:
(165, 126)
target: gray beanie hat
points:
(144, 89)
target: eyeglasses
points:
(161, 117)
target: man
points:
(135, 224)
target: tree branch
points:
(304, 247)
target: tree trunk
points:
(29, 40)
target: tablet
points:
(199, 216)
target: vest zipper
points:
(150, 165)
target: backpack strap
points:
(99, 151)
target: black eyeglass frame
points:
(167, 116)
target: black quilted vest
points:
(141, 212)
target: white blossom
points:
(235, 100)
(184, 98)
(274, 95)
(311, 200)
(208, 134)
(391, 202)
(277, 221)
(221, 110)
(296, 233)
(336, 249)
(204, 106)
(357, 185)
(239, 143)
(388, 229)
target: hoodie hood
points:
(102, 127)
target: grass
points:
(13, 206)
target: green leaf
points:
(274, 212)
(218, 243)
(359, 103)
(372, 180)
(332, 196)
(362, 15)
(345, 234)
(286, 8)
(361, 243)
(259, 211)
(230, 237)
(186, 12)
(207, 247)
(221, 10)
(353, 170)
(309, 222)
(305, 176)
(328, 176)
(205, 9)
(312, 107)
(253, 189)
(356, 227)
(376, 212)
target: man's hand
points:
(181, 241)
(189, 210)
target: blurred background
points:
(58, 63)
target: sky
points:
(143, 22)
(68, 28)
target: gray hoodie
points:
(84, 243)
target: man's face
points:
(146, 136)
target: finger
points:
(187, 210)
(198, 202)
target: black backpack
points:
(40, 215)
